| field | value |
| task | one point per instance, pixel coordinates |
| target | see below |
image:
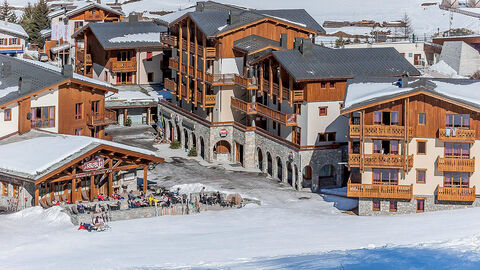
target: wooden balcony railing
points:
(455, 194)
(456, 135)
(380, 161)
(93, 16)
(167, 39)
(210, 101)
(297, 95)
(170, 85)
(123, 66)
(210, 52)
(248, 108)
(381, 131)
(102, 119)
(380, 191)
(456, 164)
(260, 109)
(249, 83)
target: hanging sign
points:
(223, 132)
(93, 165)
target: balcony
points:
(380, 161)
(265, 111)
(102, 119)
(380, 191)
(297, 95)
(167, 39)
(123, 66)
(381, 131)
(170, 85)
(456, 164)
(210, 52)
(97, 16)
(455, 194)
(456, 135)
(210, 101)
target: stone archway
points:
(223, 150)
(307, 176)
(297, 182)
(269, 164)
(194, 141)
(279, 169)
(289, 173)
(170, 128)
(202, 148)
(260, 159)
(179, 135)
(327, 176)
(185, 137)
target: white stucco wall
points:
(229, 66)
(144, 67)
(9, 127)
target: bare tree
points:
(407, 25)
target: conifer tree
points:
(27, 21)
(6, 12)
(39, 22)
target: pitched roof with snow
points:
(254, 43)
(86, 5)
(326, 63)
(365, 91)
(24, 155)
(213, 18)
(126, 34)
(40, 75)
(13, 28)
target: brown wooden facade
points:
(78, 185)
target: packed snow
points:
(362, 92)
(133, 96)
(444, 69)
(143, 37)
(13, 28)
(5, 91)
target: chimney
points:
(24, 85)
(297, 42)
(404, 82)
(306, 47)
(67, 71)
(283, 40)
(133, 17)
(200, 6)
(233, 17)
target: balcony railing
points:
(455, 194)
(210, 52)
(380, 191)
(249, 83)
(381, 131)
(168, 39)
(381, 161)
(457, 135)
(102, 119)
(170, 85)
(260, 109)
(123, 66)
(456, 164)
(93, 16)
(297, 95)
(210, 101)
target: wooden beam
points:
(145, 172)
(195, 81)
(104, 171)
(180, 61)
(37, 195)
(280, 85)
(204, 42)
(92, 187)
(188, 60)
(290, 89)
(110, 179)
(270, 78)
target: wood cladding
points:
(97, 14)
(315, 92)
(24, 124)
(435, 110)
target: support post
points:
(270, 78)
(204, 42)
(125, 114)
(180, 61)
(37, 195)
(92, 187)
(195, 68)
(145, 172)
(110, 179)
(149, 112)
(188, 61)
(280, 85)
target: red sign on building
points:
(93, 165)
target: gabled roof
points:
(213, 18)
(365, 92)
(40, 75)
(326, 63)
(254, 43)
(13, 28)
(86, 5)
(123, 35)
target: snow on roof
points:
(444, 69)
(75, 75)
(61, 47)
(171, 17)
(43, 150)
(362, 92)
(133, 96)
(142, 37)
(13, 28)
(285, 20)
(8, 90)
(55, 13)
(84, 5)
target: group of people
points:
(101, 197)
(215, 198)
(98, 225)
(164, 198)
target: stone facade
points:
(11, 203)
(365, 206)
(274, 157)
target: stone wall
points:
(410, 206)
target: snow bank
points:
(444, 69)
(51, 216)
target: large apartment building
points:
(250, 87)
(35, 95)
(412, 144)
(66, 18)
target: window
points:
(4, 188)
(326, 137)
(323, 85)
(16, 190)
(124, 56)
(457, 120)
(332, 85)
(422, 119)
(13, 41)
(385, 147)
(341, 105)
(297, 108)
(274, 124)
(421, 147)
(3, 41)
(376, 205)
(106, 76)
(456, 179)
(322, 111)
(274, 99)
(95, 107)
(79, 111)
(78, 132)
(149, 56)
(7, 115)
(124, 77)
(393, 205)
(421, 176)
(385, 118)
(78, 25)
(42, 117)
(420, 204)
(150, 76)
(457, 150)
(385, 176)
